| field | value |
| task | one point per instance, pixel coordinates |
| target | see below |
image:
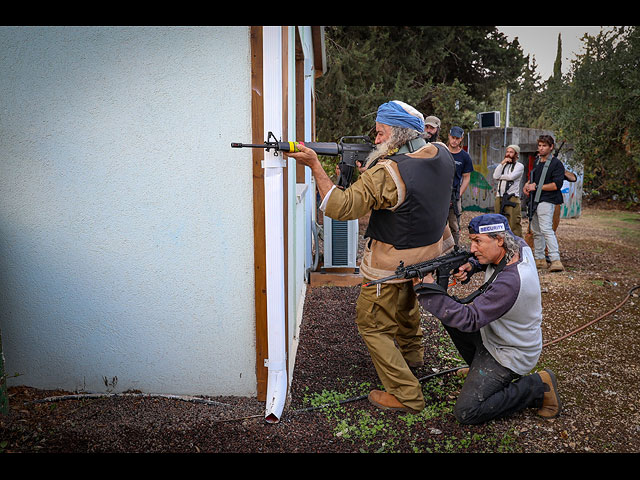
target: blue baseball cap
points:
(456, 132)
(489, 223)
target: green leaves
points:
(441, 70)
(601, 114)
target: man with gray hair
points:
(406, 187)
(499, 335)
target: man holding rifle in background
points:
(544, 192)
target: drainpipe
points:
(274, 229)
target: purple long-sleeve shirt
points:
(508, 314)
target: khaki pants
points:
(389, 324)
(513, 214)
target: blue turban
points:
(395, 115)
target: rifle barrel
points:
(252, 145)
(382, 280)
(321, 148)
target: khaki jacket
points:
(381, 187)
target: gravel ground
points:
(597, 368)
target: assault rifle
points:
(443, 266)
(350, 152)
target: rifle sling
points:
(541, 181)
(485, 285)
(412, 145)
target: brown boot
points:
(416, 364)
(387, 401)
(462, 372)
(551, 404)
(556, 266)
(541, 263)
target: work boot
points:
(462, 372)
(541, 263)
(388, 402)
(551, 404)
(556, 266)
(416, 364)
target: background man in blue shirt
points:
(464, 167)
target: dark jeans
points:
(491, 390)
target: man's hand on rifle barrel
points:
(305, 156)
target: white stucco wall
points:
(125, 218)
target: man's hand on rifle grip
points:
(461, 275)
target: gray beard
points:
(380, 151)
(399, 137)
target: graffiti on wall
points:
(480, 195)
(572, 195)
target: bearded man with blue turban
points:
(406, 186)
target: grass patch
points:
(383, 431)
(625, 224)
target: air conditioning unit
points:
(489, 119)
(340, 243)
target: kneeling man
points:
(499, 334)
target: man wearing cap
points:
(499, 334)
(431, 128)
(507, 175)
(464, 167)
(408, 223)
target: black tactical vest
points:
(422, 217)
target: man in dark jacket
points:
(545, 185)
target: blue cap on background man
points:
(457, 132)
(489, 223)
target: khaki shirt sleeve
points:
(378, 188)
